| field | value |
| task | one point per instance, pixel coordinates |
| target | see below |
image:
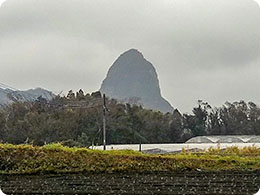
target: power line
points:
(8, 87)
(70, 104)
(16, 93)
(8, 93)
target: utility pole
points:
(104, 121)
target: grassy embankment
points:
(55, 158)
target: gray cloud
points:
(202, 49)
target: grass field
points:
(55, 158)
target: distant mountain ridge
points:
(8, 96)
(133, 79)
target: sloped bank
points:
(55, 158)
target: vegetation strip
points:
(55, 158)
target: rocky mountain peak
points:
(132, 54)
(133, 79)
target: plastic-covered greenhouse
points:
(225, 139)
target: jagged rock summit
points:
(134, 80)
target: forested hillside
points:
(76, 120)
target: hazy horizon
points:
(201, 49)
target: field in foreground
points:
(162, 183)
(55, 158)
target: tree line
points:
(76, 120)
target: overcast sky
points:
(201, 49)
